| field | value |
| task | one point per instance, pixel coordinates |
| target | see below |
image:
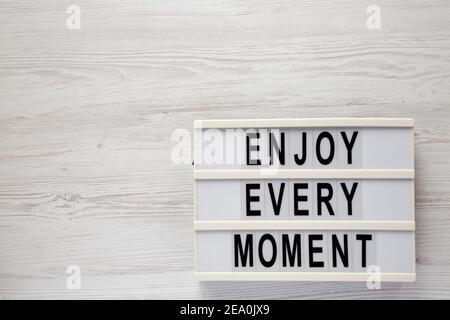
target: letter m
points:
(294, 254)
(243, 253)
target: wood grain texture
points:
(86, 118)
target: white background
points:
(86, 118)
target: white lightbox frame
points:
(224, 174)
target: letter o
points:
(264, 262)
(325, 135)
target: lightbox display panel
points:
(304, 199)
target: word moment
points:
(339, 205)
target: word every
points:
(323, 190)
(292, 254)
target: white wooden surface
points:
(86, 118)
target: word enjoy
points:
(277, 143)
